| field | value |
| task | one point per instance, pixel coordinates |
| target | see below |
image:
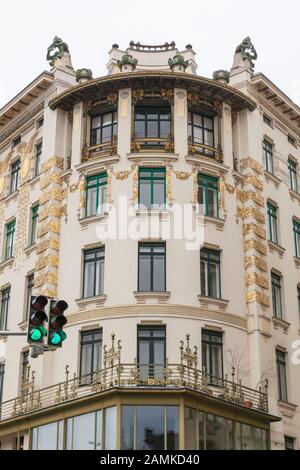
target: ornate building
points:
(168, 347)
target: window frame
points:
(212, 183)
(208, 252)
(15, 168)
(38, 154)
(29, 290)
(34, 213)
(5, 301)
(210, 344)
(152, 180)
(10, 229)
(93, 342)
(293, 175)
(268, 151)
(191, 126)
(296, 230)
(151, 341)
(98, 184)
(276, 284)
(273, 219)
(101, 256)
(146, 110)
(2, 375)
(153, 245)
(282, 388)
(113, 126)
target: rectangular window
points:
(93, 272)
(251, 438)
(268, 156)
(157, 428)
(281, 375)
(24, 365)
(38, 156)
(293, 176)
(277, 296)
(298, 292)
(16, 142)
(40, 123)
(5, 296)
(29, 293)
(152, 267)
(289, 443)
(152, 188)
(9, 239)
(267, 120)
(48, 436)
(273, 223)
(201, 132)
(2, 371)
(153, 122)
(291, 140)
(208, 194)
(96, 194)
(219, 433)
(90, 354)
(296, 229)
(33, 224)
(212, 354)
(151, 351)
(15, 175)
(103, 128)
(84, 432)
(210, 273)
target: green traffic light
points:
(63, 335)
(36, 334)
(56, 339)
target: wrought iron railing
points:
(100, 150)
(198, 148)
(140, 144)
(116, 374)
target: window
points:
(276, 296)
(96, 194)
(296, 228)
(251, 438)
(219, 433)
(152, 187)
(210, 273)
(281, 375)
(9, 239)
(298, 292)
(268, 156)
(15, 172)
(289, 443)
(5, 296)
(293, 177)
(267, 120)
(38, 155)
(40, 123)
(84, 432)
(29, 291)
(93, 275)
(90, 354)
(153, 122)
(212, 353)
(152, 267)
(48, 436)
(157, 428)
(2, 371)
(273, 223)
(291, 140)
(24, 365)
(151, 351)
(201, 132)
(103, 128)
(208, 191)
(33, 224)
(16, 142)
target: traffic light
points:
(57, 321)
(37, 318)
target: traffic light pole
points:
(13, 333)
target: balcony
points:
(203, 150)
(115, 375)
(106, 149)
(152, 144)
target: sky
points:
(90, 27)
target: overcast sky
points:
(90, 27)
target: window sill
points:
(270, 178)
(207, 163)
(219, 223)
(6, 263)
(148, 156)
(29, 249)
(151, 297)
(161, 213)
(294, 195)
(34, 181)
(97, 302)
(277, 322)
(207, 302)
(96, 162)
(11, 197)
(297, 262)
(275, 248)
(86, 221)
(287, 409)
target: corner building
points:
(167, 347)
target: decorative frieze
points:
(255, 261)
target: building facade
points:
(172, 342)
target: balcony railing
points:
(100, 150)
(197, 148)
(115, 374)
(152, 144)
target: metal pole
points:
(13, 333)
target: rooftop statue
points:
(56, 50)
(247, 51)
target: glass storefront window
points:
(251, 438)
(219, 433)
(84, 432)
(190, 416)
(110, 428)
(48, 437)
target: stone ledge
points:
(11, 197)
(219, 223)
(277, 322)
(287, 409)
(86, 221)
(275, 248)
(97, 162)
(96, 302)
(29, 249)
(161, 213)
(294, 196)
(270, 178)
(153, 157)
(159, 297)
(6, 263)
(207, 163)
(297, 262)
(206, 302)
